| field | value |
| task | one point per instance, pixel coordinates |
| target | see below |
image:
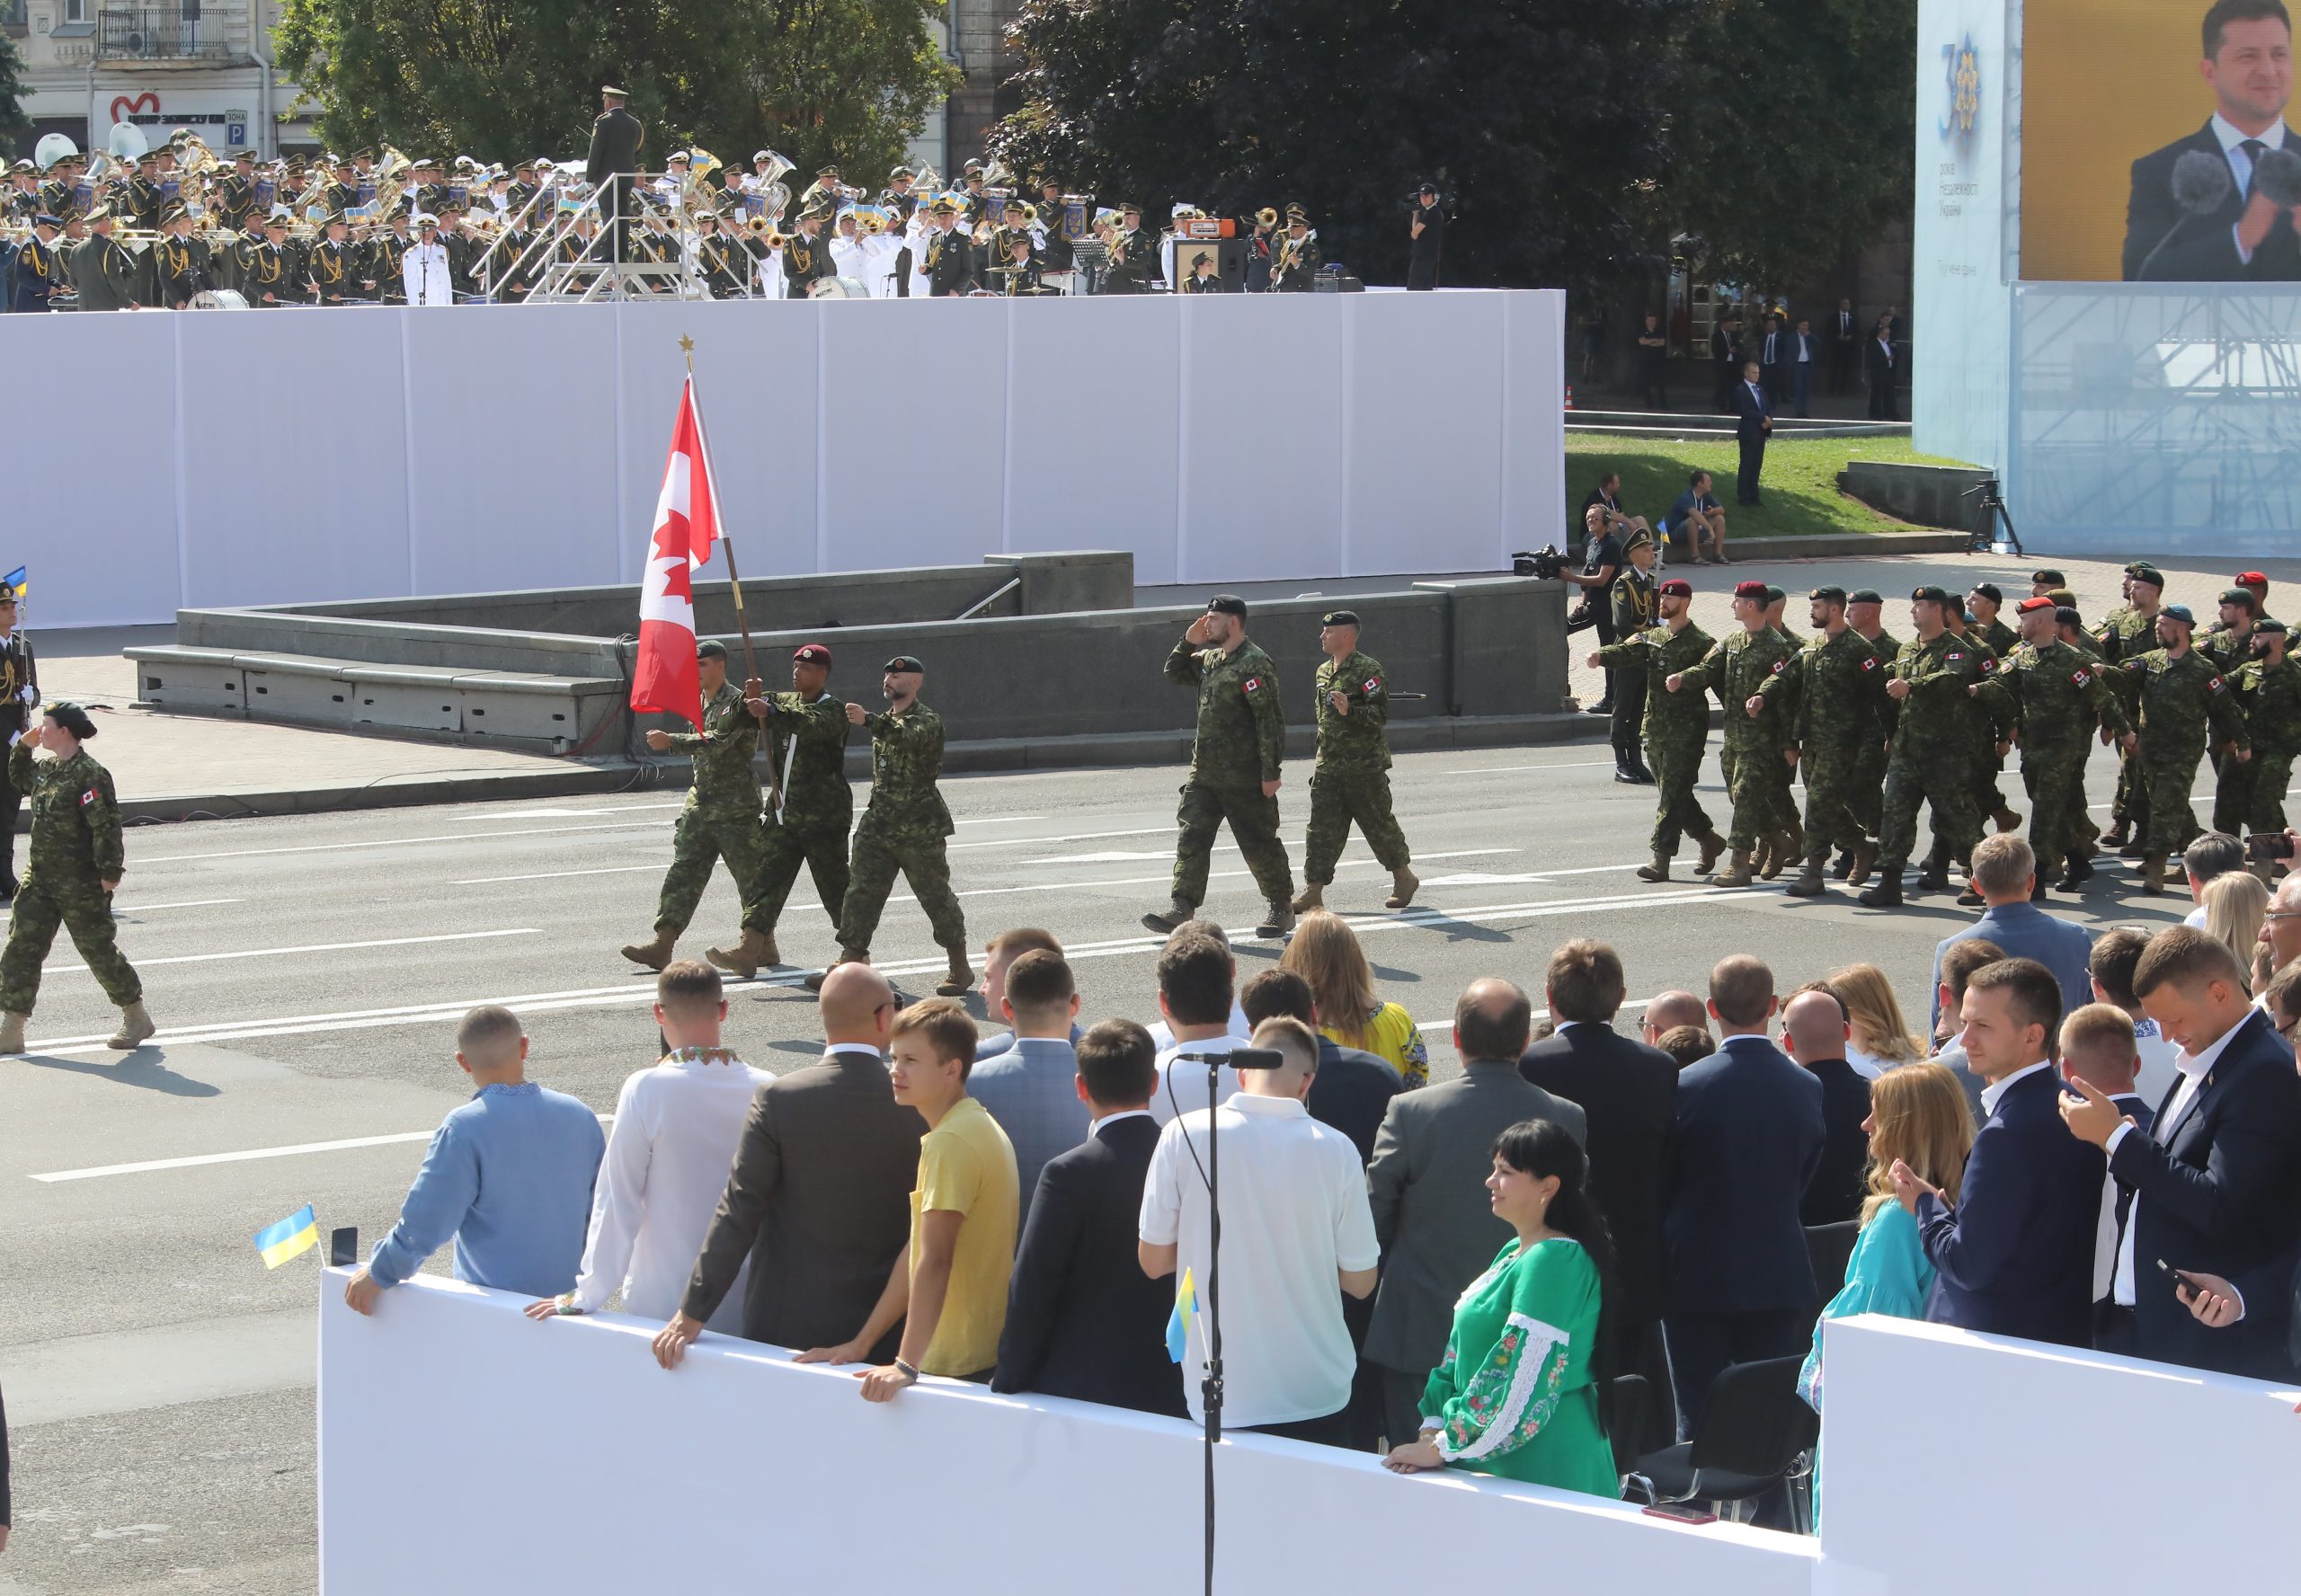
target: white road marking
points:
(316, 947)
(488, 880)
(329, 847)
(187, 903)
(1166, 830)
(1108, 856)
(1562, 765)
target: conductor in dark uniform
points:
(616, 138)
(1426, 237)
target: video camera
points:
(1544, 563)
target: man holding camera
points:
(1604, 529)
(1426, 233)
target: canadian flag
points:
(686, 525)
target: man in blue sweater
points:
(508, 1177)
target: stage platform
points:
(189, 461)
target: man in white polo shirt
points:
(1295, 1223)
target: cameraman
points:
(1602, 560)
(1426, 230)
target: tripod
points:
(1988, 516)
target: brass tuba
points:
(1268, 216)
(701, 164)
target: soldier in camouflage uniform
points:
(1773, 857)
(2058, 698)
(2184, 700)
(1988, 726)
(1676, 725)
(75, 863)
(2268, 689)
(2229, 645)
(1735, 668)
(809, 807)
(2125, 633)
(1838, 686)
(1933, 680)
(720, 818)
(1866, 791)
(2069, 627)
(903, 828)
(1351, 781)
(1234, 763)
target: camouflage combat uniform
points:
(902, 830)
(1351, 782)
(2126, 633)
(1866, 791)
(2183, 702)
(2254, 792)
(76, 848)
(1240, 742)
(2059, 697)
(807, 745)
(720, 818)
(1838, 684)
(1736, 668)
(1676, 727)
(1932, 742)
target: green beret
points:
(1775, 595)
(2142, 571)
(70, 716)
(1339, 618)
(710, 648)
(2270, 624)
(2245, 596)
(1932, 594)
(1827, 596)
(1865, 596)
(905, 665)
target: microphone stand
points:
(1211, 1387)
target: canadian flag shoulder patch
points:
(1777, 665)
(1987, 664)
(1955, 654)
(1870, 663)
(1374, 684)
(1252, 684)
(87, 797)
(2081, 677)
(2214, 686)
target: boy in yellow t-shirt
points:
(949, 1286)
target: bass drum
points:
(837, 288)
(218, 299)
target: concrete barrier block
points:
(189, 679)
(287, 687)
(562, 713)
(409, 696)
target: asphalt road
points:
(307, 974)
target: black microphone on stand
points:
(1210, 1389)
(2202, 184)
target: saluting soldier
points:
(1935, 676)
(809, 807)
(1736, 667)
(19, 692)
(2059, 696)
(1676, 725)
(720, 820)
(1351, 782)
(903, 827)
(2184, 700)
(2270, 692)
(76, 860)
(2125, 634)
(1234, 765)
(1636, 607)
(1839, 686)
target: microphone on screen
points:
(2278, 175)
(2202, 184)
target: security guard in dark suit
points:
(617, 136)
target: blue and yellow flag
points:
(299, 1233)
(17, 582)
(1178, 1321)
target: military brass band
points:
(175, 225)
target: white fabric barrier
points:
(294, 456)
(464, 1448)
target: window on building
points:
(76, 11)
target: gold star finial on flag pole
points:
(687, 348)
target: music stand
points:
(1090, 258)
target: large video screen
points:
(2154, 146)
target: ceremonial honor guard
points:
(2185, 702)
(19, 692)
(1676, 725)
(2058, 697)
(1840, 687)
(950, 253)
(75, 865)
(1294, 255)
(1757, 741)
(1636, 605)
(720, 820)
(1351, 784)
(1234, 765)
(809, 808)
(903, 827)
(39, 266)
(1932, 681)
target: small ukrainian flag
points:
(17, 582)
(1178, 1322)
(299, 1233)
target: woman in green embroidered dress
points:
(1520, 1393)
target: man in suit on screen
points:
(2179, 229)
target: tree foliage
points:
(1541, 115)
(1577, 136)
(15, 126)
(820, 80)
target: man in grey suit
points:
(819, 1199)
(1427, 1182)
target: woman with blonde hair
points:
(1881, 1038)
(2235, 905)
(1918, 1114)
(1325, 953)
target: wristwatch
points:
(907, 1370)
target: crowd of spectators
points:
(2098, 1144)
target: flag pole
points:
(734, 581)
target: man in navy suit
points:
(2249, 237)
(1749, 1139)
(1753, 425)
(1082, 1319)
(2217, 1180)
(2015, 1257)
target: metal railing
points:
(189, 31)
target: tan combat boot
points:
(2152, 872)
(2006, 818)
(756, 948)
(1865, 860)
(1659, 871)
(1712, 846)
(1177, 913)
(960, 981)
(1810, 882)
(847, 955)
(653, 954)
(1313, 895)
(1785, 849)
(1404, 885)
(1277, 919)
(1738, 874)
(12, 1033)
(135, 1025)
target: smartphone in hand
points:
(2181, 1277)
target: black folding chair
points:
(1757, 1432)
(1831, 1248)
(1627, 1421)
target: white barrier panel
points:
(1993, 1467)
(386, 453)
(464, 1448)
